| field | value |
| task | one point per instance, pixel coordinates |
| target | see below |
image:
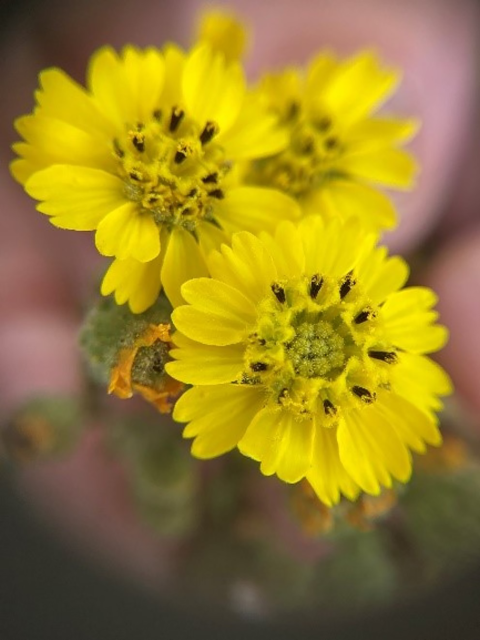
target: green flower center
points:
(309, 160)
(173, 168)
(317, 350)
(318, 340)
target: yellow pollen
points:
(173, 168)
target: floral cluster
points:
(256, 211)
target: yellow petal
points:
(380, 275)
(128, 233)
(144, 73)
(204, 365)
(409, 321)
(246, 266)
(77, 197)
(174, 64)
(110, 88)
(224, 33)
(390, 167)
(327, 475)
(218, 298)
(375, 133)
(183, 261)
(324, 253)
(286, 249)
(63, 99)
(347, 198)
(358, 86)
(254, 134)
(137, 283)
(213, 90)
(414, 427)
(319, 73)
(51, 141)
(209, 328)
(219, 416)
(421, 381)
(371, 450)
(282, 444)
(255, 209)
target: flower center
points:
(318, 340)
(309, 159)
(172, 168)
(317, 350)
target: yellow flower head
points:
(145, 156)
(338, 153)
(223, 32)
(304, 351)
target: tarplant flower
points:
(146, 156)
(305, 352)
(339, 152)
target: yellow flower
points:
(305, 353)
(146, 157)
(223, 32)
(159, 389)
(338, 153)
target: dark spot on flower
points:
(217, 193)
(363, 394)
(176, 118)
(258, 366)
(386, 356)
(279, 292)
(346, 285)
(211, 178)
(315, 285)
(208, 132)
(180, 156)
(328, 407)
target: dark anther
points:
(363, 394)
(211, 178)
(315, 285)
(135, 175)
(192, 193)
(157, 114)
(283, 393)
(153, 198)
(279, 292)
(347, 283)
(324, 124)
(138, 141)
(180, 156)
(217, 193)
(118, 149)
(293, 110)
(329, 408)
(363, 316)
(308, 146)
(386, 356)
(176, 118)
(261, 341)
(258, 366)
(331, 142)
(208, 132)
